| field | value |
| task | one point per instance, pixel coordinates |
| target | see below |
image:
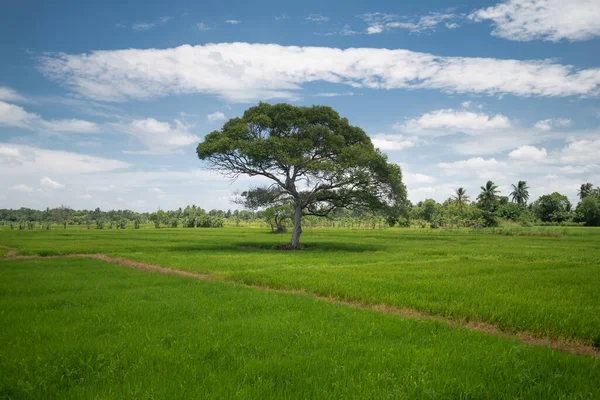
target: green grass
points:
(544, 285)
(81, 328)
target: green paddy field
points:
(84, 328)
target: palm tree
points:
(520, 195)
(488, 197)
(460, 197)
(585, 190)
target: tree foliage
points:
(314, 159)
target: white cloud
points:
(334, 94)
(202, 26)
(576, 170)
(159, 137)
(8, 94)
(380, 22)
(246, 72)
(528, 153)
(26, 160)
(317, 18)
(12, 115)
(71, 125)
(233, 21)
(453, 168)
(410, 178)
(581, 152)
(16, 116)
(552, 20)
(216, 116)
(547, 124)
(392, 142)
(86, 196)
(449, 121)
(142, 26)
(48, 183)
(21, 188)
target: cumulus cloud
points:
(581, 152)
(475, 163)
(528, 153)
(552, 20)
(246, 72)
(159, 137)
(233, 22)
(449, 121)
(216, 116)
(388, 142)
(48, 183)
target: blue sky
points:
(102, 104)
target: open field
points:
(544, 285)
(86, 328)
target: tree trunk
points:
(295, 243)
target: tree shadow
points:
(241, 247)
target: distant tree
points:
(460, 197)
(488, 198)
(553, 207)
(62, 215)
(585, 190)
(588, 211)
(520, 193)
(315, 159)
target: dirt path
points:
(574, 347)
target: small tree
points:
(314, 158)
(488, 198)
(62, 215)
(553, 207)
(520, 193)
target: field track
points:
(574, 347)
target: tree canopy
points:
(314, 159)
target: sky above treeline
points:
(103, 103)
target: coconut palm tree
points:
(460, 197)
(520, 194)
(488, 196)
(585, 190)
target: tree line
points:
(490, 207)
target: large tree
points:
(314, 159)
(520, 193)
